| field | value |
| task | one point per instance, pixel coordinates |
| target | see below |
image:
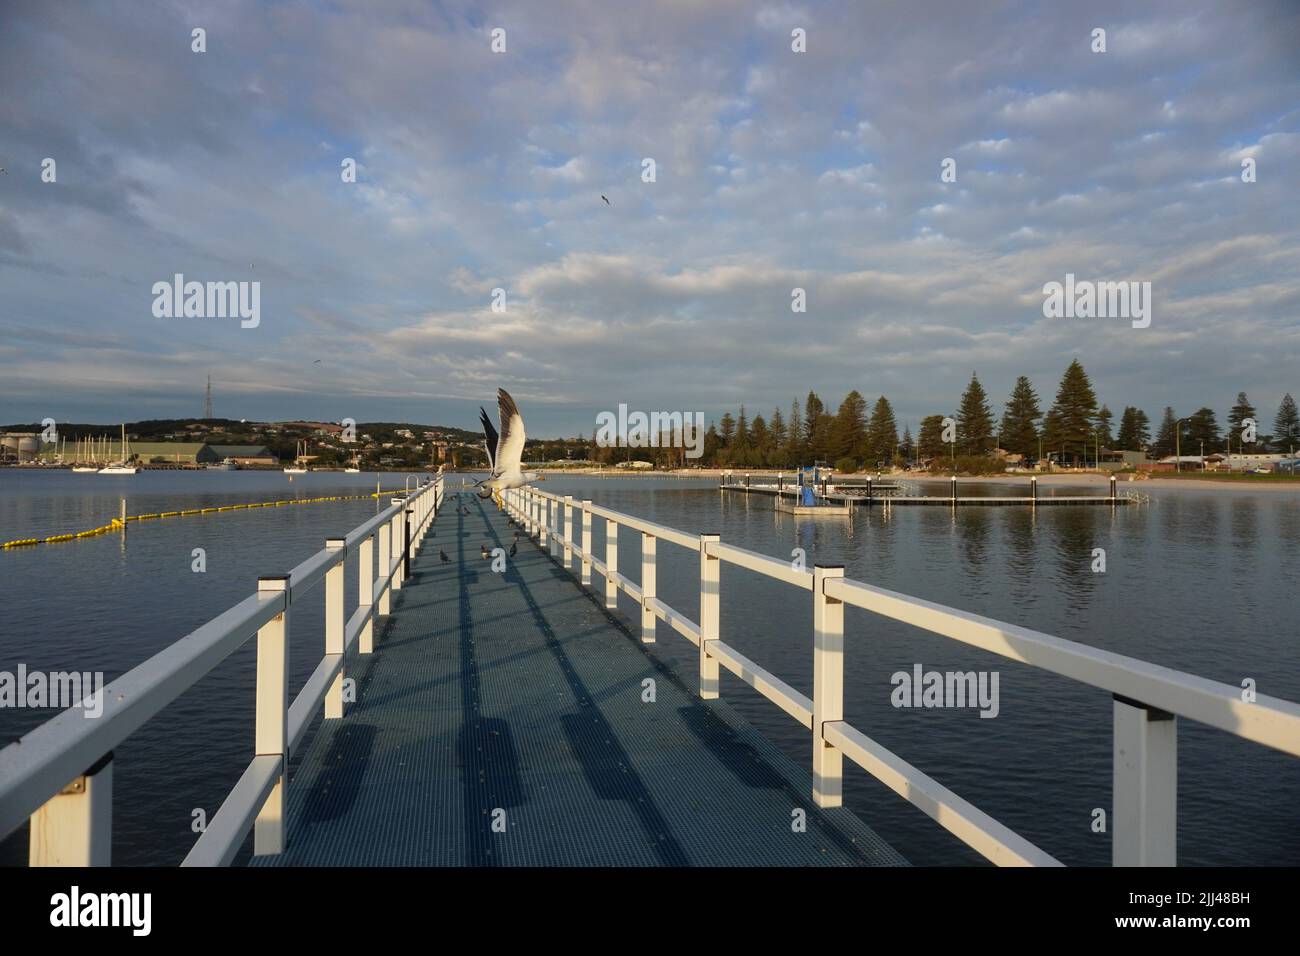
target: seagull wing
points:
(510, 447)
(489, 439)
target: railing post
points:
(408, 521)
(383, 561)
(395, 547)
(1145, 790)
(543, 522)
(586, 543)
(555, 527)
(710, 608)
(648, 556)
(611, 563)
(272, 721)
(828, 687)
(366, 593)
(335, 621)
(75, 826)
(568, 531)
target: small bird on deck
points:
(443, 554)
(514, 549)
(483, 552)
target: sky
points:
(773, 170)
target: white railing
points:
(1147, 698)
(61, 774)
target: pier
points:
(869, 493)
(502, 714)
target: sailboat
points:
(121, 467)
(83, 455)
(300, 450)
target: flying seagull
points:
(505, 451)
(607, 202)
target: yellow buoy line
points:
(117, 523)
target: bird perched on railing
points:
(505, 451)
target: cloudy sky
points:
(774, 170)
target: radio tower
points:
(207, 400)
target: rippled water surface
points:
(1202, 580)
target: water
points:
(1200, 580)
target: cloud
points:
(774, 170)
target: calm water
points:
(1203, 581)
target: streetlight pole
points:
(1178, 445)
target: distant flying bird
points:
(317, 362)
(607, 202)
(505, 451)
(443, 554)
(3, 170)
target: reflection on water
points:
(1199, 581)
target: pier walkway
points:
(504, 716)
(513, 697)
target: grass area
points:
(1226, 476)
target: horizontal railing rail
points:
(1147, 698)
(60, 774)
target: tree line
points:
(1074, 428)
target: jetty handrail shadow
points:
(1147, 698)
(61, 774)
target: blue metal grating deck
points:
(518, 691)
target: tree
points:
(740, 447)
(778, 439)
(882, 434)
(1134, 431)
(1202, 431)
(849, 430)
(1286, 425)
(1019, 431)
(761, 440)
(905, 448)
(1166, 438)
(1236, 418)
(794, 440)
(817, 428)
(1103, 432)
(727, 429)
(974, 420)
(1075, 410)
(929, 443)
(711, 445)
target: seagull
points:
(607, 202)
(505, 451)
(443, 554)
(483, 551)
